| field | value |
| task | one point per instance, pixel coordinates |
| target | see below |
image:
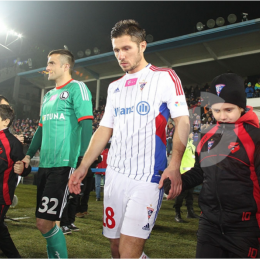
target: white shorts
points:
(130, 207)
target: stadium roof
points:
(197, 58)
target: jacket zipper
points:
(221, 209)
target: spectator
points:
(257, 88)
(98, 175)
(169, 136)
(187, 163)
(249, 90)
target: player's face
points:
(226, 112)
(129, 54)
(55, 67)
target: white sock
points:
(143, 256)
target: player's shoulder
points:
(166, 73)
(117, 81)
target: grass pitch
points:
(168, 238)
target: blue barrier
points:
(35, 169)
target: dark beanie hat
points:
(228, 88)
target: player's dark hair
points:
(67, 55)
(129, 27)
(6, 112)
(3, 98)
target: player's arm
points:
(34, 146)
(96, 145)
(86, 134)
(180, 137)
(193, 177)
(16, 155)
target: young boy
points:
(228, 164)
(11, 154)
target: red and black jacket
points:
(228, 165)
(11, 151)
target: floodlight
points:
(220, 21)
(200, 26)
(149, 38)
(232, 18)
(88, 52)
(96, 50)
(210, 23)
(80, 54)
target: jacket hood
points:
(249, 117)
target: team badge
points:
(64, 95)
(233, 147)
(142, 85)
(150, 212)
(210, 143)
(219, 87)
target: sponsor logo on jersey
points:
(53, 116)
(53, 97)
(124, 110)
(150, 212)
(142, 85)
(117, 90)
(64, 95)
(131, 82)
(177, 103)
(143, 108)
(210, 143)
(146, 227)
(219, 87)
(233, 147)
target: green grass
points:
(168, 239)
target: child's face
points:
(4, 123)
(226, 112)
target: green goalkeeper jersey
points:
(62, 109)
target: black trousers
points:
(234, 243)
(6, 242)
(187, 195)
(83, 201)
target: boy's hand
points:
(18, 167)
(27, 160)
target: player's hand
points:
(18, 167)
(176, 182)
(27, 160)
(76, 179)
(20, 138)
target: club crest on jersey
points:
(150, 212)
(142, 85)
(219, 87)
(117, 90)
(233, 147)
(146, 227)
(64, 95)
(131, 82)
(210, 143)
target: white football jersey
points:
(138, 107)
